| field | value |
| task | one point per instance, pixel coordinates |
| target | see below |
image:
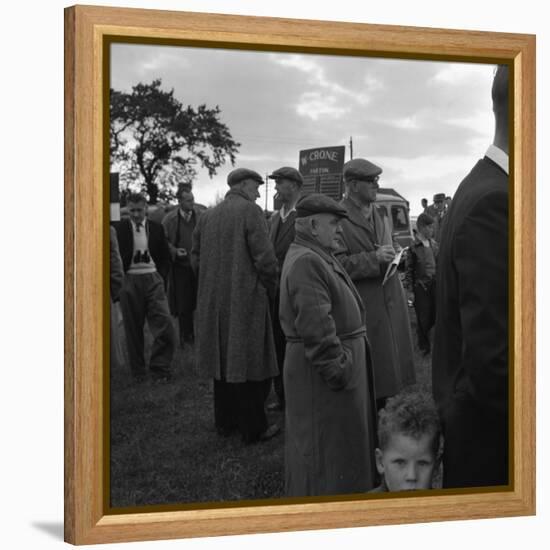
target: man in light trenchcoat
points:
(330, 414)
(367, 251)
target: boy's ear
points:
(378, 456)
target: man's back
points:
(472, 286)
(237, 269)
(470, 355)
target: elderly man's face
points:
(286, 190)
(137, 211)
(439, 205)
(186, 201)
(365, 190)
(326, 228)
(250, 187)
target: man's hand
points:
(385, 253)
(181, 252)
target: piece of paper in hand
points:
(392, 268)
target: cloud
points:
(426, 122)
(315, 105)
(317, 74)
(459, 73)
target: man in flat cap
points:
(146, 262)
(367, 251)
(436, 211)
(237, 273)
(470, 351)
(288, 184)
(329, 421)
(179, 225)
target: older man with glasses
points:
(367, 251)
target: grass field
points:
(165, 450)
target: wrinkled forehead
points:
(328, 217)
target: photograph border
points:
(88, 32)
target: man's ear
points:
(378, 457)
(313, 224)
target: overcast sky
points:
(425, 123)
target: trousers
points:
(143, 298)
(240, 406)
(424, 305)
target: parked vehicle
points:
(396, 208)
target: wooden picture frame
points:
(86, 31)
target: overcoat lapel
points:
(336, 266)
(383, 234)
(357, 218)
(342, 272)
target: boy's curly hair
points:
(411, 412)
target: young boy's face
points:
(426, 231)
(407, 463)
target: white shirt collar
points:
(185, 215)
(284, 215)
(498, 156)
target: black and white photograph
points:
(308, 275)
(255, 280)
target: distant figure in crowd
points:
(237, 274)
(367, 251)
(409, 439)
(182, 286)
(146, 260)
(437, 211)
(330, 426)
(470, 356)
(116, 272)
(420, 279)
(288, 184)
(424, 203)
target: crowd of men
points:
(301, 303)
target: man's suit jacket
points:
(281, 235)
(157, 243)
(470, 353)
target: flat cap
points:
(361, 169)
(317, 203)
(287, 173)
(240, 174)
(439, 197)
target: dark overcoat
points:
(470, 352)
(387, 320)
(330, 415)
(182, 287)
(236, 271)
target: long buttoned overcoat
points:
(237, 271)
(329, 423)
(184, 287)
(387, 318)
